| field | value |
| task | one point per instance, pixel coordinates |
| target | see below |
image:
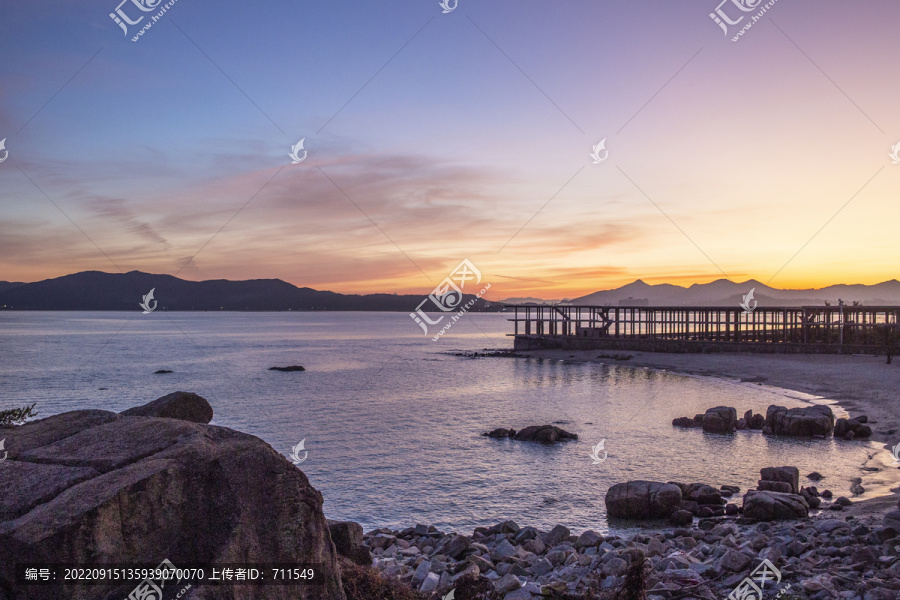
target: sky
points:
(431, 137)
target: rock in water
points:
(774, 506)
(642, 500)
(545, 434)
(287, 369)
(99, 487)
(851, 428)
(720, 419)
(186, 406)
(805, 421)
(501, 433)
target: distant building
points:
(629, 301)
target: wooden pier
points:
(839, 329)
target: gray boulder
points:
(186, 406)
(114, 488)
(774, 506)
(808, 421)
(720, 419)
(642, 500)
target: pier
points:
(838, 329)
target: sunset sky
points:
(435, 137)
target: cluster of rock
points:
(820, 559)
(545, 434)
(778, 496)
(808, 421)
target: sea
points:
(391, 421)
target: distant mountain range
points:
(95, 290)
(728, 293)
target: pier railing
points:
(856, 326)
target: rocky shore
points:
(820, 558)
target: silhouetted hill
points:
(95, 290)
(723, 292)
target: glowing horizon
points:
(433, 138)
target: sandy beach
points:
(860, 385)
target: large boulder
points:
(642, 500)
(774, 506)
(808, 421)
(545, 434)
(97, 487)
(720, 419)
(186, 406)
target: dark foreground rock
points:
(93, 486)
(287, 369)
(348, 541)
(545, 434)
(643, 500)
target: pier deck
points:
(839, 329)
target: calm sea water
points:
(392, 420)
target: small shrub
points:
(473, 587)
(365, 583)
(15, 416)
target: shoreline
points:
(850, 383)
